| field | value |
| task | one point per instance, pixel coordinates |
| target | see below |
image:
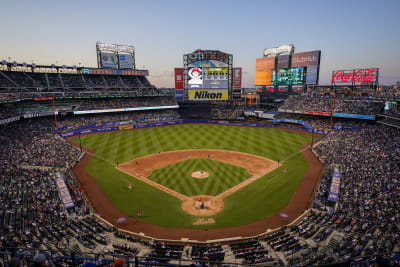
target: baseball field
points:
(241, 163)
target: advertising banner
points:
(64, 192)
(179, 95)
(43, 98)
(265, 63)
(357, 76)
(237, 78)
(178, 78)
(108, 60)
(174, 121)
(125, 61)
(263, 77)
(292, 121)
(335, 186)
(283, 62)
(354, 116)
(320, 113)
(312, 75)
(311, 58)
(125, 127)
(207, 95)
(115, 72)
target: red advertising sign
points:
(355, 76)
(237, 78)
(178, 78)
(316, 113)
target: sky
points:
(350, 34)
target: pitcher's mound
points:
(202, 205)
(200, 174)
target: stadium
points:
(100, 167)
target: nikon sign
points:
(208, 95)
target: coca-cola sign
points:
(357, 76)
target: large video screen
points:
(263, 77)
(208, 78)
(125, 61)
(289, 76)
(108, 60)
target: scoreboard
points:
(289, 76)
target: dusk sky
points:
(350, 34)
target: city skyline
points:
(350, 35)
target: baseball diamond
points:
(157, 160)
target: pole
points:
(333, 106)
(55, 116)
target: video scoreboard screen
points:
(290, 76)
(208, 78)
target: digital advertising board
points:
(305, 59)
(290, 76)
(208, 95)
(265, 63)
(263, 77)
(283, 61)
(355, 77)
(178, 78)
(125, 61)
(179, 95)
(237, 78)
(108, 60)
(312, 75)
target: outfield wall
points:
(117, 126)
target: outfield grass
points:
(178, 177)
(256, 201)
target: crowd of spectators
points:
(226, 111)
(7, 112)
(324, 104)
(136, 117)
(368, 160)
(392, 91)
(33, 142)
